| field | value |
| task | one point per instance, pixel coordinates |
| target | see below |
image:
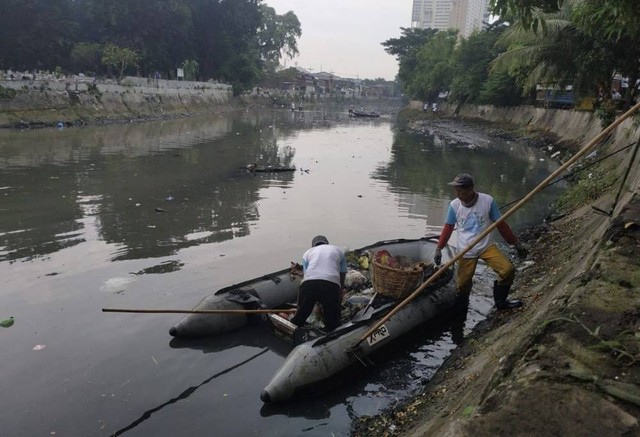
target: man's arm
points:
(447, 230)
(506, 232)
(343, 270)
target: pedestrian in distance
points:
(324, 268)
(473, 212)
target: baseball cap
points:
(462, 180)
(319, 239)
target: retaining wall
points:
(85, 100)
(569, 125)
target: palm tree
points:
(191, 69)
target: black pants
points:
(327, 294)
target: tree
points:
(224, 40)
(35, 33)
(86, 56)
(433, 70)
(405, 49)
(613, 18)
(564, 54)
(120, 58)
(500, 89)
(525, 11)
(191, 68)
(277, 35)
(471, 60)
(158, 30)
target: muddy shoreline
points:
(564, 364)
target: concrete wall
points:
(80, 100)
(577, 127)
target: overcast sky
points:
(344, 36)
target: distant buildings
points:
(466, 16)
(322, 84)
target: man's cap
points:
(319, 239)
(462, 180)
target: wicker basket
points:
(397, 283)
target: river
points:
(159, 214)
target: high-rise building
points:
(466, 16)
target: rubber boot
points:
(460, 308)
(500, 293)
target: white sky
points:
(344, 36)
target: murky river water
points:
(157, 215)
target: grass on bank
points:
(586, 187)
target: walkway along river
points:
(159, 214)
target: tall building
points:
(466, 16)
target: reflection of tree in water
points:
(39, 213)
(52, 181)
(418, 165)
(200, 189)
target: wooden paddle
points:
(238, 312)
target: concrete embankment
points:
(570, 126)
(77, 101)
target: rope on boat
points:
(487, 231)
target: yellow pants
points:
(494, 259)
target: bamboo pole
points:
(237, 312)
(486, 232)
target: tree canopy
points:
(585, 44)
(230, 40)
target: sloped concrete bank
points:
(569, 126)
(568, 362)
(77, 101)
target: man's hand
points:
(437, 257)
(522, 251)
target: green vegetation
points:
(191, 69)
(233, 41)
(588, 187)
(549, 43)
(7, 93)
(120, 58)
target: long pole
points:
(486, 232)
(153, 311)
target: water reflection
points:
(421, 165)
(257, 335)
(151, 190)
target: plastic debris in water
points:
(7, 322)
(39, 347)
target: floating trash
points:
(6, 323)
(117, 285)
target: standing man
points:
(325, 268)
(472, 213)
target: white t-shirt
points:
(471, 222)
(325, 261)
